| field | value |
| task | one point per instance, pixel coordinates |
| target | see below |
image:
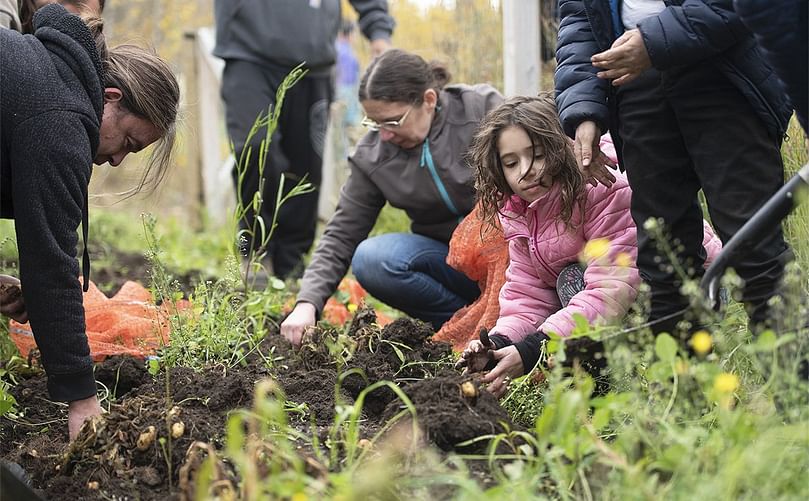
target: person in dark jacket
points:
(782, 29)
(67, 103)
(261, 41)
(412, 158)
(691, 105)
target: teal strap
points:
(427, 160)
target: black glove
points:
(530, 348)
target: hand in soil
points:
(295, 325)
(476, 357)
(509, 366)
(79, 411)
(11, 301)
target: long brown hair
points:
(538, 117)
(150, 91)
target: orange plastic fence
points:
(129, 323)
(479, 251)
(337, 312)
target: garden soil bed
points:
(124, 455)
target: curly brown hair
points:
(538, 117)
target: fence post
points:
(521, 47)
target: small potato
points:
(469, 390)
(147, 438)
(177, 429)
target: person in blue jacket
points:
(781, 28)
(691, 103)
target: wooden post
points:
(215, 162)
(521, 47)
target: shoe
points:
(570, 282)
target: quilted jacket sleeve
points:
(611, 278)
(580, 94)
(525, 299)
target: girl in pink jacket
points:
(526, 175)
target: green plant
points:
(253, 239)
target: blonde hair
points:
(150, 91)
(538, 117)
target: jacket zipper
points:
(427, 160)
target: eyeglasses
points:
(374, 126)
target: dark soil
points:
(450, 417)
(106, 461)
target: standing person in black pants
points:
(692, 105)
(261, 41)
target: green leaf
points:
(277, 284)
(154, 366)
(601, 418)
(766, 341)
(665, 348)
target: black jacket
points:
(686, 32)
(52, 102)
(782, 30)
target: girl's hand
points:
(295, 325)
(475, 357)
(509, 366)
(11, 301)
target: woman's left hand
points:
(509, 366)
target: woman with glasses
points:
(413, 158)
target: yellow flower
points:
(701, 342)
(595, 249)
(352, 307)
(726, 383)
(624, 260)
(300, 496)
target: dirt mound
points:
(131, 454)
(401, 352)
(453, 409)
(316, 389)
(122, 374)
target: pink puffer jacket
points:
(540, 246)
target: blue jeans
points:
(409, 272)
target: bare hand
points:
(79, 411)
(592, 162)
(475, 357)
(301, 318)
(509, 366)
(11, 300)
(379, 46)
(625, 60)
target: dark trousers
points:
(687, 129)
(296, 151)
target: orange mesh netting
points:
(129, 323)
(338, 312)
(481, 253)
